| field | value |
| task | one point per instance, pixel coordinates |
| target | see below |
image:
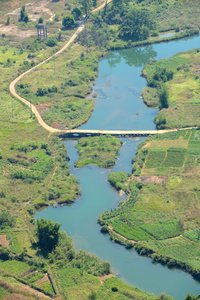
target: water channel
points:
(118, 106)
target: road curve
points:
(32, 107)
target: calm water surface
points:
(119, 106)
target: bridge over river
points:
(118, 133)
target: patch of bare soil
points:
(3, 241)
(35, 11)
(14, 30)
(14, 297)
(42, 108)
(121, 193)
(102, 278)
(58, 126)
(151, 179)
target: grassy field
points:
(183, 89)
(60, 95)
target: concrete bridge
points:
(117, 133)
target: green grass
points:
(175, 158)
(192, 235)
(155, 158)
(163, 230)
(133, 232)
(3, 293)
(14, 267)
(66, 107)
(183, 100)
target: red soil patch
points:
(151, 179)
(3, 241)
(102, 278)
(42, 108)
(58, 126)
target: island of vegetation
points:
(37, 261)
(101, 151)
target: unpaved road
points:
(34, 109)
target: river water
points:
(118, 106)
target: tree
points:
(23, 15)
(68, 22)
(86, 6)
(76, 12)
(8, 21)
(40, 20)
(48, 234)
(136, 25)
(163, 97)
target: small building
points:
(41, 31)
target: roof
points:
(41, 26)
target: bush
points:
(51, 41)
(40, 21)
(68, 22)
(104, 229)
(76, 12)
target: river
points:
(118, 106)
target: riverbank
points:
(179, 76)
(159, 216)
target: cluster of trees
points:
(159, 76)
(44, 91)
(95, 35)
(48, 234)
(136, 25)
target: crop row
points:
(132, 233)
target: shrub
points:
(68, 22)
(51, 41)
(114, 289)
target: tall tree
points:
(48, 234)
(23, 15)
(86, 6)
(136, 24)
(163, 96)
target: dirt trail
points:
(33, 108)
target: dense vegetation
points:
(34, 167)
(173, 85)
(101, 151)
(161, 212)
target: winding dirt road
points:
(77, 131)
(33, 108)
